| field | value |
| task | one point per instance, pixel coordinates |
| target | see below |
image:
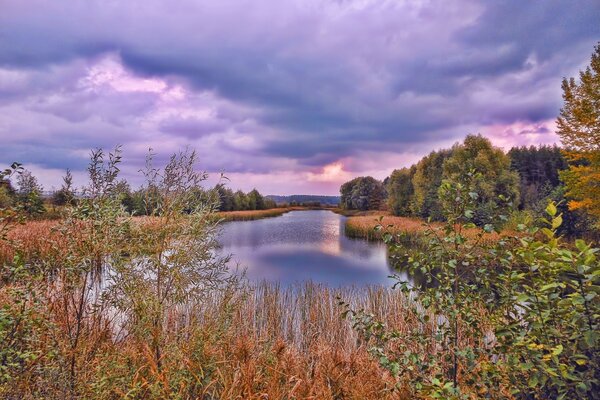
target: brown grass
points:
(38, 238)
(249, 215)
(364, 227)
(266, 342)
(292, 343)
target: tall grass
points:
(409, 230)
(364, 226)
(249, 215)
(264, 342)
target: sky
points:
(290, 97)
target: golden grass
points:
(35, 239)
(364, 227)
(38, 239)
(292, 343)
(270, 342)
(248, 215)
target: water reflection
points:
(305, 245)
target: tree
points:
(363, 193)
(496, 185)
(65, 195)
(225, 196)
(255, 200)
(539, 169)
(29, 194)
(240, 201)
(426, 183)
(401, 191)
(7, 193)
(579, 130)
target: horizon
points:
(299, 98)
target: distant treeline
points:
(238, 201)
(27, 195)
(524, 179)
(305, 199)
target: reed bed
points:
(412, 229)
(263, 341)
(249, 215)
(34, 239)
(38, 238)
(292, 342)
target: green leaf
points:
(590, 338)
(556, 222)
(522, 297)
(551, 209)
(557, 350)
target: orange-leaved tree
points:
(579, 129)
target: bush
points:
(515, 318)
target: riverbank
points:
(250, 215)
(38, 238)
(363, 226)
(412, 229)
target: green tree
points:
(538, 169)
(401, 191)
(240, 201)
(496, 185)
(225, 196)
(255, 200)
(29, 194)
(65, 195)
(363, 193)
(497, 318)
(426, 183)
(6, 199)
(579, 130)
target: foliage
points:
(401, 191)
(29, 194)
(60, 310)
(170, 265)
(579, 129)
(426, 182)
(362, 193)
(497, 187)
(66, 194)
(548, 315)
(9, 213)
(500, 321)
(239, 201)
(538, 169)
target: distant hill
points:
(305, 198)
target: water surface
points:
(304, 245)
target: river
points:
(304, 246)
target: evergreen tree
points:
(538, 169)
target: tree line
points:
(517, 184)
(28, 196)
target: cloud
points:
(291, 87)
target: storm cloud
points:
(274, 93)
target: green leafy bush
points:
(504, 318)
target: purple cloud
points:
(266, 88)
